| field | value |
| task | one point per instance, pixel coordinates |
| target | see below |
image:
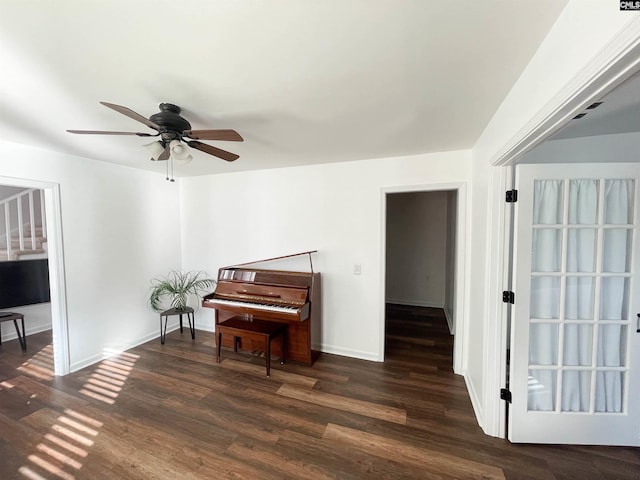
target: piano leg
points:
(268, 349)
(218, 345)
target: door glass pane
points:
(546, 250)
(616, 250)
(578, 345)
(583, 202)
(618, 202)
(543, 341)
(547, 207)
(541, 390)
(609, 391)
(612, 345)
(580, 298)
(576, 390)
(545, 297)
(614, 297)
(581, 250)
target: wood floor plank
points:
(276, 375)
(169, 411)
(347, 463)
(435, 462)
(368, 409)
(276, 461)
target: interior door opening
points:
(58, 354)
(422, 255)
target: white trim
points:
(347, 352)
(494, 359)
(461, 291)
(449, 316)
(614, 64)
(93, 359)
(59, 321)
(12, 335)
(475, 400)
(619, 60)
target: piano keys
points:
(289, 297)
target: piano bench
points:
(252, 330)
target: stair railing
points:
(16, 202)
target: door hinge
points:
(511, 196)
(508, 297)
(505, 395)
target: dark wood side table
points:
(176, 311)
(7, 316)
(252, 329)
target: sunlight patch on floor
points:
(40, 365)
(68, 441)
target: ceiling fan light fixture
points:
(155, 149)
(179, 151)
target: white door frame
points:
(618, 61)
(460, 344)
(59, 325)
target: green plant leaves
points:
(178, 286)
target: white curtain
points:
(580, 323)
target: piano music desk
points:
(252, 329)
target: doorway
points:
(59, 328)
(423, 254)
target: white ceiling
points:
(618, 113)
(303, 81)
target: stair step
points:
(16, 254)
(15, 243)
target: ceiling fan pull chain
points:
(171, 160)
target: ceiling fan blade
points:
(166, 154)
(226, 135)
(102, 132)
(131, 114)
(216, 152)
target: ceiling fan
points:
(174, 131)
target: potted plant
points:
(177, 288)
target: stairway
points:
(29, 249)
(18, 213)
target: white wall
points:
(618, 148)
(576, 49)
(37, 319)
(416, 248)
(334, 208)
(8, 191)
(450, 259)
(583, 30)
(120, 228)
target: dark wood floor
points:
(170, 412)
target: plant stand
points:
(177, 311)
(8, 316)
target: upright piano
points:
(284, 296)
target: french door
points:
(575, 352)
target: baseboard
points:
(29, 331)
(87, 362)
(475, 402)
(414, 303)
(345, 352)
(449, 316)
